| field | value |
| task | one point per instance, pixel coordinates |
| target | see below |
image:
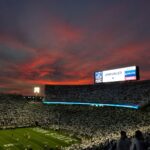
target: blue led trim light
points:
(93, 104)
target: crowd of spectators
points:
(97, 127)
(17, 111)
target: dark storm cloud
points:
(13, 55)
(61, 71)
(58, 73)
(64, 42)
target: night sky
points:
(65, 41)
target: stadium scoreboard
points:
(120, 74)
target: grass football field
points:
(35, 138)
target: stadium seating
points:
(93, 125)
(97, 127)
(121, 92)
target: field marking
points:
(10, 145)
(54, 135)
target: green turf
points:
(35, 138)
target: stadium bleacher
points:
(97, 127)
(135, 92)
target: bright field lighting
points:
(37, 90)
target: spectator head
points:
(138, 135)
(123, 134)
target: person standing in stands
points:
(124, 142)
(138, 142)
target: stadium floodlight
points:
(36, 90)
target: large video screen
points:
(121, 74)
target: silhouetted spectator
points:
(138, 142)
(123, 143)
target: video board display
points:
(121, 74)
